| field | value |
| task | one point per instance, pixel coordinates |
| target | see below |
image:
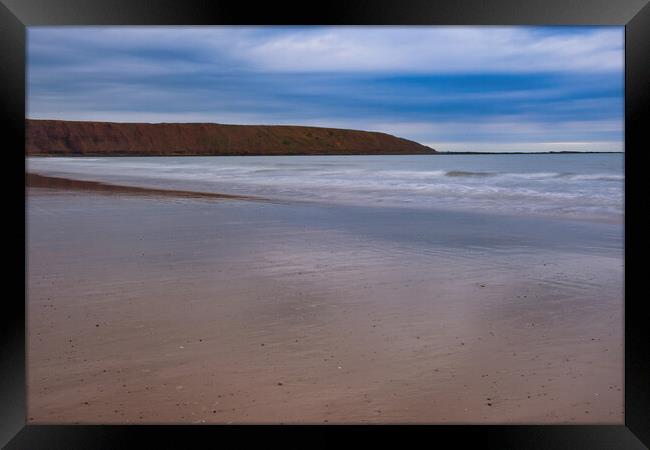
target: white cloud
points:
(438, 50)
(435, 49)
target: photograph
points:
(331, 225)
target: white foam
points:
(480, 183)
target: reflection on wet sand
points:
(147, 310)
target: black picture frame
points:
(16, 15)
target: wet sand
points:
(169, 309)
(42, 181)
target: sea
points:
(570, 186)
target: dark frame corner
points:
(16, 15)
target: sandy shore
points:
(181, 310)
(67, 184)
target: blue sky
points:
(453, 88)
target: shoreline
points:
(71, 183)
(250, 314)
(34, 180)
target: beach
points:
(156, 308)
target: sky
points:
(454, 88)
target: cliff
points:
(58, 137)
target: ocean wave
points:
(487, 184)
(593, 177)
(462, 173)
(423, 174)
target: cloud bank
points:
(460, 87)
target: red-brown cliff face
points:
(58, 137)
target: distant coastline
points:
(573, 152)
(81, 138)
(436, 153)
(76, 138)
(159, 155)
